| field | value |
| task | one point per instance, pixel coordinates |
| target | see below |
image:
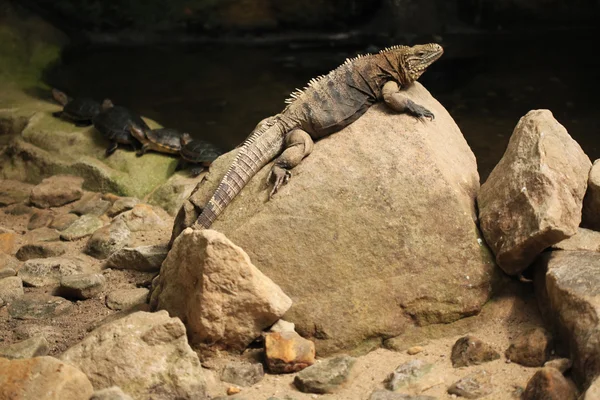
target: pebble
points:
(473, 386)
(108, 240)
(326, 376)
(81, 286)
(406, 374)
(470, 350)
(414, 350)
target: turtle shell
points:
(199, 151)
(114, 124)
(82, 109)
(166, 139)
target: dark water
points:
(219, 92)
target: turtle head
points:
(185, 139)
(61, 97)
(137, 132)
(106, 104)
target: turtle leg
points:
(83, 123)
(142, 151)
(111, 148)
(196, 170)
(180, 164)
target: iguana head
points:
(413, 61)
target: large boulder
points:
(533, 197)
(375, 230)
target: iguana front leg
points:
(298, 144)
(400, 103)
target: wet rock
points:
(406, 374)
(533, 197)
(126, 298)
(204, 267)
(387, 395)
(91, 204)
(470, 350)
(42, 235)
(288, 352)
(111, 393)
(84, 226)
(591, 201)
(42, 378)
(134, 345)
(283, 326)
(11, 289)
(81, 286)
(549, 384)
(41, 250)
(36, 346)
(63, 221)
(7, 242)
(108, 239)
(243, 373)
(531, 348)
(584, 239)
(12, 192)
(122, 204)
(142, 258)
(325, 377)
(18, 209)
(561, 364)
(141, 218)
(40, 219)
(56, 191)
(39, 307)
(473, 386)
(48, 271)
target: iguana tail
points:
(261, 147)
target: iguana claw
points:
(281, 177)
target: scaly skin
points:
(328, 104)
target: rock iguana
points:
(328, 104)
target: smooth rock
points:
(406, 374)
(396, 187)
(11, 289)
(141, 218)
(473, 386)
(531, 348)
(210, 283)
(288, 352)
(533, 197)
(56, 191)
(12, 192)
(111, 393)
(122, 204)
(42, 378)
(325, 377)
(91, 204)
(584, 239)
(561, 364)
(8, 264)
(135, 345)
(41, 250)
(39, 307)
(84, 226)
(142, 258)
(283, 326)
(108, 240)
(242, 373)
(7, 242)
(414, 350)
(470, 350)
(387, 395)
(81, 286)
(41, 272)
(36, 346)
(42, 235)
(591, 201)
(548, 384)
(63, 221)
(126, 298)
(40, 219)
(6, 272)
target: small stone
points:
(12, 192)
(41, 250)
(141, 218)
(63, 221)
(531, 348)
(561, 364)
(42, 235)
(283, 326)
(473, 386)
(407, 373)
(231, 390)
(126, 298)
(40, 219)
(414, 350)
(387, 395)
(82, 286)
(111, 393)
(108, 239)
(11, 289)
(18, 209)
(325, 377)
(48, 271)
(33, 347)
(121, 205)
(84, 226)
(548, 384)
(91, 204)
(288, 352)
(243, 373)
(470, 350)
(56, 191)
(142, 258)
(5, 272)
(9, 263)
(7, 242)
(39, 307)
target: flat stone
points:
(91, 204)
(39, 307)
(19, 209)
(549, 384)
(12, 192)
(41, 250)
(84, 226)
(288, 352)
(126, 298)
(141, 218)
(325, 377)
(56, 191)
(5, 271)
(142, 258)
(406, 374)
(63, 221)
(561, 364)
(49, 271)
(591, 202)
(36, 346)
(387, 395)
(584, 239)
(111, 393)
(243, 373)
(11, 289)
(473, 386)
(81, 286)
(470, 350)
(7, 242)
(108, 240)
(40, 219)
(122, 204)
(42, 235)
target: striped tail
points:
(262, 146)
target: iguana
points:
(328, 104)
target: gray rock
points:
(33, 347)
(325, 377)
(41, 250)
(142, 258)
(81, 286)
(91, 204)
(473, 386)
(11, 289)
(84, 226)
(533, 197)
(470, 350)
(387, 395)
(121, 205)
(531, 348)
(12, 192)
(108, 240)
(549, 384)
(40, 219)
(243, 373)
(126, 298)
(407, 373)
(63, 221)
(39, 307)
(42, 235)
(56, 191)
(591, 201)
(111, 393)
(48, 271)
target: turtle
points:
(197, 152)
(80, 110)
(163, 140)
(114, 123)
